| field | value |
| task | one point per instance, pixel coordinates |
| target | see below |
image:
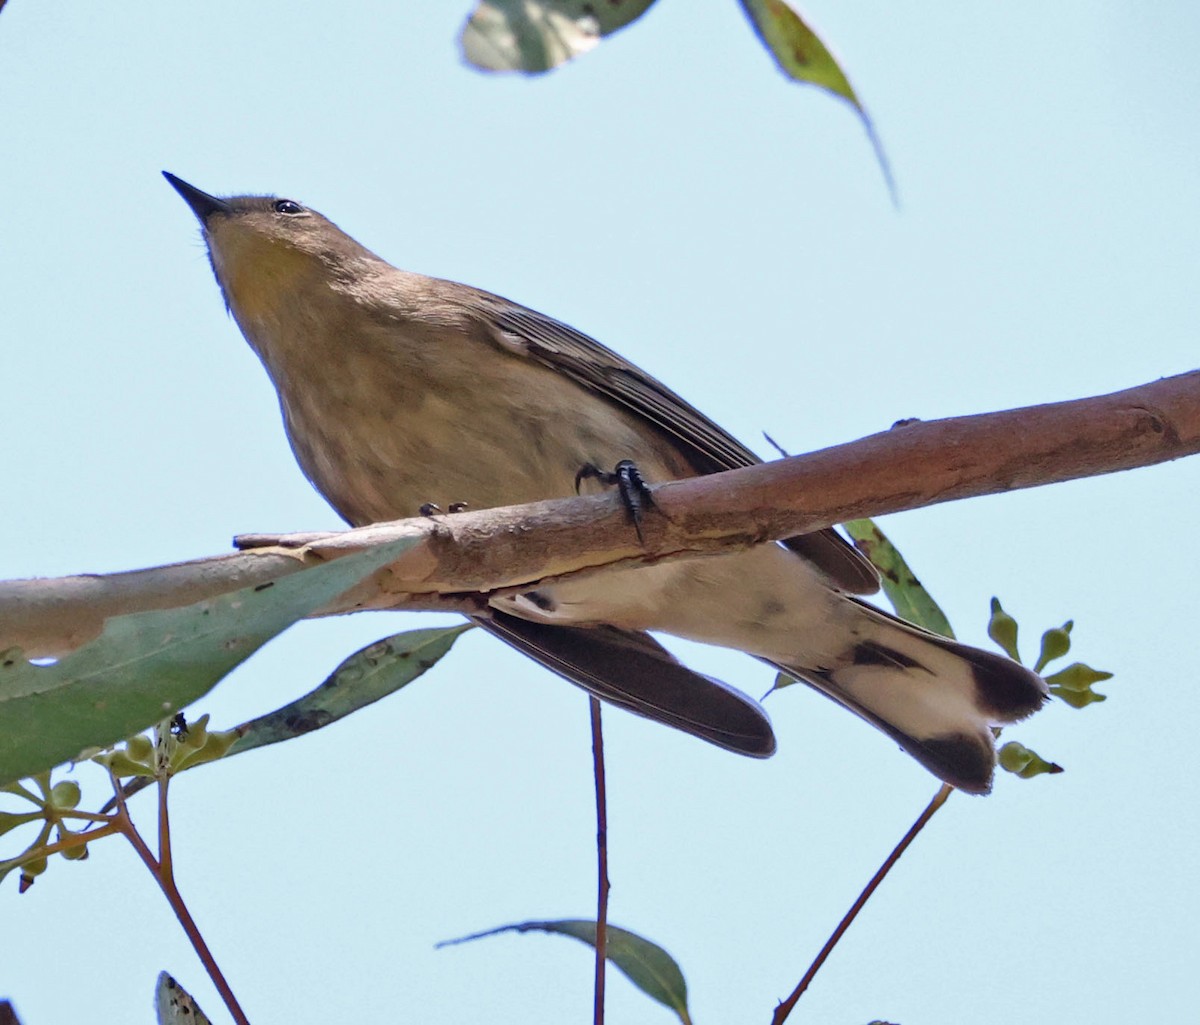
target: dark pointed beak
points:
(203, 205)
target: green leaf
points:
(147, 665)
(1002, 629)
(803, 57)
(797, 49)
(1055, 643)
(1021, 761)
(174, 1005)
(537, 35)
(646, 964)
(363, 678)
(1074, 684)
(910, 600)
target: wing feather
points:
(635, 672)
(709, 447)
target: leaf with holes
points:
(175, 1005)
(537, 35)
(365, 677)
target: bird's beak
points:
(203, 205)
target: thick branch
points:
(918, 464)
(462, 556)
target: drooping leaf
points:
(374, 672)
(365, 677)
(1021, 761)
(646, 964)
(803, 57)
(910, 600)
(147, 665)
(537, 35)
(174, 1005)
(797, 49)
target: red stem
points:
(785, 1008)
(161, 870)
(601, 861)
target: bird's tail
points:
(937, 698)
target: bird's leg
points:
(635, 494)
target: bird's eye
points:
(287, 206)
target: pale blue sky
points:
(672, 196)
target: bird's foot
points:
(631, 485)
(431, 509)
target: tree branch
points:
(460, 557)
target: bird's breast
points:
(386, 418)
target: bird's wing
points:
(709, 447)
(635, 672)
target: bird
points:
(401, 393)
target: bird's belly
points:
(766, 601)
(486, 447)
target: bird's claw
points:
(628, 479)
(431, 509)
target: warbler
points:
(399, 391)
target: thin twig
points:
(73, 840)
(85, 816)
(166, 883)
(785, 1008)
(166, 865)
(601, 862)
